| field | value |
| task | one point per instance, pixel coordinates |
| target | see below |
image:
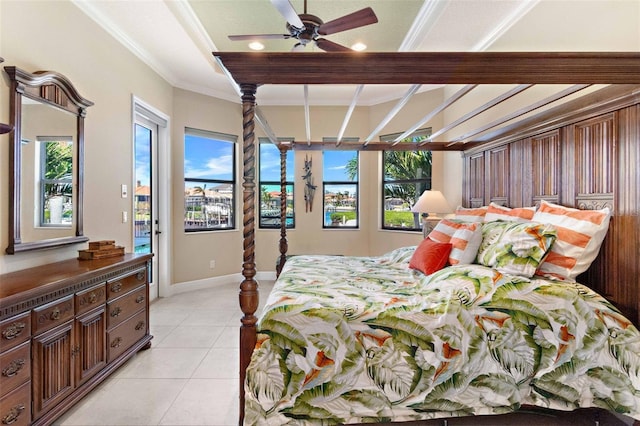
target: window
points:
(209, 181)
(270, 188)
(56, 178)
(340, 189)
(406, 175)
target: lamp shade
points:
(431, 202)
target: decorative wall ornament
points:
(309, 187)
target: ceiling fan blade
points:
(286, 9)
(330, 46)
(357, 19)
(259, 37)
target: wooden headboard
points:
(584, 154)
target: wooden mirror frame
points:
(56, 90)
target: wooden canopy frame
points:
(251, 70)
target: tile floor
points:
(188, 377)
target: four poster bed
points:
(506, 327)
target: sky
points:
(143, 155)
(334, 167)
(207, 159)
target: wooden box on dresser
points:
(64, 327)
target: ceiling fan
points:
(306, 28)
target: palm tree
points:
(352, 168)
(403, 166)
(406, 165)
(265, 195)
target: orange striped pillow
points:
(580, 235)
(498, 212)
(465, 239)
(465, 214)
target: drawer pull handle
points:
(140, 325)
(93, 298)
(116, 342)
(115, 312)
(116, 287)
(55, 314)
(13, 414)
(13, 368)
(139, 299)
(13, 330)
(140, 276)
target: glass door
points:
(145, 212)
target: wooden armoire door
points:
(53, 373)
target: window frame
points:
(232, 215)
(417, 136)
(289, 183)
(355, 183)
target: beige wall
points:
(30, 38)
(45, 35)
(191, 252)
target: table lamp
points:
(430, 204)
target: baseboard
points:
(223, 280)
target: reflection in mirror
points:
(47, 145)
(46, 181)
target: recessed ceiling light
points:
(359, 47)
(256, 45)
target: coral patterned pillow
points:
(515, 248)
(430, 256)
(498, 212)
(464, 237)
(580, 235)
(464, 214)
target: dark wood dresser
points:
(64, 327)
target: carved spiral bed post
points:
(249, 287)
(283, 210)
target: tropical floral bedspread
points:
(366, 339)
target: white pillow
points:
(580, 235)
(464, 237)
(518, 214)
(470, 214)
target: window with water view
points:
(270, 187)
(209, 181)
(340, 189)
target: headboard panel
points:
(589, 161)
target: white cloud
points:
(213, 167)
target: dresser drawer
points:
(15, 368)
(122, 308)
(53, 314)
(14, 331)
(118, 287)
(15, 407)
(90, 298)
(126, 334)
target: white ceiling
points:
(176, 37)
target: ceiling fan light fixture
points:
(308, 28)
(358, 47)
(256, 45)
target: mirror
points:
(45, 176)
